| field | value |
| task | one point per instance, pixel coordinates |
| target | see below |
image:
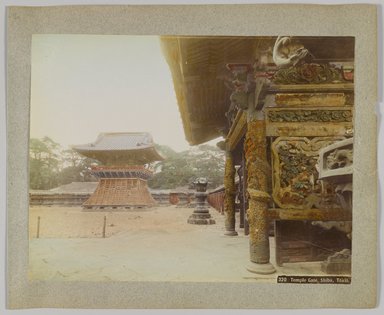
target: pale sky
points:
(83, 85)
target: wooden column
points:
(230, 193)
(240, 172)
(249, 81)
(245, 197)
(257, 182)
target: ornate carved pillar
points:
(248, 89)
(240, 192)
(230, 194)
(245, 195)
(258, 172)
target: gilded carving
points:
(309, 129)
(319, 115)
(257, 182)
(255, 154)
(295, 173)
(311, 99)
(230, 193)
(309, 73)
(350, 99)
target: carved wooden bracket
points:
(243, 83)
(336, 161)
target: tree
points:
(181, 169)
(44, 163)
(75, 168)
(51, 166)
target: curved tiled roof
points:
(118, 141)
(117, 148)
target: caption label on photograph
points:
(314, 279)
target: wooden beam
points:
(237, 131)
(339, 87)
(308, 129)
(309, 121)
(310, 214)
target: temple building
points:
(276, 102)
(124, 172)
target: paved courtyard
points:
(153, 244)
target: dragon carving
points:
(287, 52)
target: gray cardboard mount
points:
(257, 20)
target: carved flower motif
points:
(337, 115)
(347, 115)
(325, 116)
(309, 72)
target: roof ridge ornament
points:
(288, 52)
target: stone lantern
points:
(201, 213)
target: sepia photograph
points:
(191, 158)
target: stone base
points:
(120, 193)
(338, 263)
(231, 233)
(201, 218)
(106, 208)
(263, 269)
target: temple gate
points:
(277, 102)
(124, 173)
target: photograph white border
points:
(356, 20)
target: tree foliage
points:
(182, 168)
(51, 166)
(43, 163)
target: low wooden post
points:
(104, 225)
(38, 227)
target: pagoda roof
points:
(120, 147)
